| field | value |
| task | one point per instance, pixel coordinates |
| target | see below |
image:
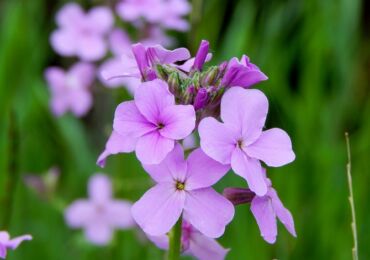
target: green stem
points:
(175, 241)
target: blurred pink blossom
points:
(100, 214)
(7, 243)
(70, 90)
(82, 34)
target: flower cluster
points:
(178, 97)
(92, 37)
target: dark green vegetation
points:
(316, 54)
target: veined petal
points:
(216, 140)
(282, 213)
(205, 248)
(159, 208)
(152, 97)
(152, 148)
(246, 111)
(203, 171)
(251, 170)
(208, 211)
(100, 188)
(128, 121)
(172, 168)
(264, 214)
(273, 147)
(178, 121)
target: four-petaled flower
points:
(152, 122)
(70, 90)
(100, 214)
(184, 186)
(82, 34)
(7, 243)
(240, 141)
(194, 243)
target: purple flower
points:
(194, 243)
(240, 141)
(201, 56)
(7, 243)
(70, 90)
(167, 13)
(184, 187)
(201, 99)
(100, 214)
(242, 73)
(152, 122)
(82, 34)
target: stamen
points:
(180, 185)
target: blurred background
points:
(316, 54)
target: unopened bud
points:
(210, 76)
(196, 80)
(161, 72)
(188, 95)
(239, 195)
(201, 99)
(174, 82)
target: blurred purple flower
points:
(7, 243)
(184, 186)
(152, 122)
(242, 73)
(100, 214)
(240, 141)
(82, 34)
(167, 13)
(70, 90)
(194, 243)
(44, 185)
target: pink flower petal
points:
(4, 237)
(170, 56)
(119, 214)
(152, 97)
(128, 121)
(203, 171)
(64, 42)
(84, 73)
(15, 242)
(101, 19)
(79, 213)
(91, 47)
(264, 214)
(246, 111)
(99, 233)
(173, 167)
(80, 102)
(178, 120)
(250, 169)
(273, 147)
(100, 188)
(208, 211)
(205, 248)
(55, 78)
(159, 209)
(69, 15)
(282, 213)
(216, 140)
(3, 251)
(152, 148)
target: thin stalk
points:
(351, 202)
(175, 241)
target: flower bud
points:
(201, 55)
(188, 95)
(196, 80)
(239, 195)
(174, 82)
(210, 76)
(161, 72)
(201, 99)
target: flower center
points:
(160, 126)
(240, 143)
(180, 185)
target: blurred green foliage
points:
(317, 56)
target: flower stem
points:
(175, 241)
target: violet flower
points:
(82, 34)
(266, 209)
(194, 243)
(100, 214)
(242, 73)
(201, 56)
(152, 122)
(240, 141)
(184, 187)
(70, 90)
(7, 243)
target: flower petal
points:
(251, 170)
(116, 144)
(246, 111)
(203, 171)
(91, 48)
(159, 209)
(98, 233)
(84, 73)
(165, 56)
(273, 147)
(80, 102)
(55, 77)
(173, 167)
(208, 211)
(216, 140)
(4, 237)
(264, 214)
(63, 42)
(100, 188)
(205, 248)
(128, 121)
(152, 148)
(3, 251)
(100, 19)
(119, 213)
(178, 120)
(79, 213)
(282, 213)
(152, 97)
(69, 15)
(15, 242)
